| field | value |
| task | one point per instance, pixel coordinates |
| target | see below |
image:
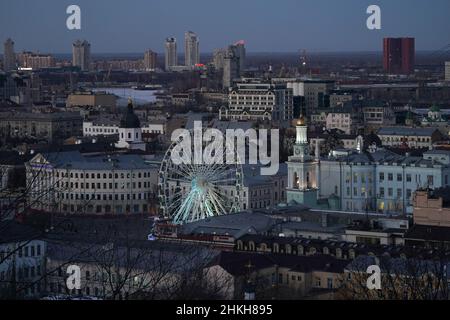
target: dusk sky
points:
(265, 25)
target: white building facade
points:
(69, 182)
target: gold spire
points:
(301, 121)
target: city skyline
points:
(275, 28)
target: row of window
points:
(116, 175)
(104, 186)
(107, 209)
(92, 196)
(24, 251)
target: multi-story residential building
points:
(398, 55)
(191, 49)
(276, 276)
(35, 60)
(171, 57)
(432, 207)
(230, 69)
(9, 57)
(24, 89)
(338, 98)
(344, 119)
(410, 137)
(81, 54)
(258, 100)
(376, 115)
(314, 92)
(91, 99)
(69, 182)
(150, 60)
(41, 126)
(105, 127)
(22, 261)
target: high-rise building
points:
(191, 49)
(81, 54)
(171, 53)
(9, 57)
(447, 71)
(150, 60)
(239, 49)
(218, 58)
(230, 69)
(398, 55)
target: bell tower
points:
(130, 132)
(302, 170)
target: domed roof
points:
(130, 119)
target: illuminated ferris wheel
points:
(191, 192)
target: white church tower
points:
(302, 170)
(130, 132)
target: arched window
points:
(251, 246)
(296, 182)
(239, 245)
(263, 247)
(288, 249)
(308, 183)
(300, 250)
(276, 247)
(339, 253)
(351, 254)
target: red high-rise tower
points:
(398, 55)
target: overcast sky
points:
(266, 25)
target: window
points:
(390, 177)
(381, 176)
(399, 177)
(330, 283)
(408, 177)
(318, 282)
(430, 180)
(390, 192)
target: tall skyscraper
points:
(9, 57)
(399, 55)
(81, 54)
(150, 60)
(239, 48)
(191, 49)
(171, 53)
(230, 69)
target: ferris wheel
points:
(192, 192)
